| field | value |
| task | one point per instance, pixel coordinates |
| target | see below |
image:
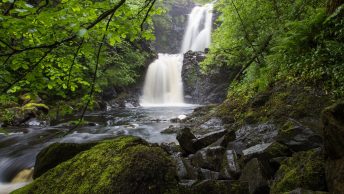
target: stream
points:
(18, 149)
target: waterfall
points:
(198, 32)
(163, 84)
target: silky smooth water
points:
(163, 83)
(198, 32)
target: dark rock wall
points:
(170, 27)
(201, 88)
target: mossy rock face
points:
(303, 170)
(124, 165)
(55, 154)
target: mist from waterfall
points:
(163, 84)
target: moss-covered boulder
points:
(303, 170)
(122, 165)
(55, 154)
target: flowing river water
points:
(18, 149)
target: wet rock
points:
(333, 120)
(205, 174)
(213, 124)
(251, 135)
(208, 158)
(123, 165)
(171, 130)
(230, 168)
(27, 112)
(23, 176)
(298, 137)
(217, 187)
(224, 140)
(36, 123)
(257, 174)
(171, 148)
(190, 144)
(266, 151)
(209, 138)
(185, 139)
(180, 166)
(302, 170)
(55, 154)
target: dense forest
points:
(269, 92)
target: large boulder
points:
(55, 154)
(191, 144)
(209, 158)
(230, 168)
(298, 137)
(186, 139)
(302, 170)
(251, 135)
(257, 173)
(333, 119)
(123, 165)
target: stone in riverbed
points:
(185, 139)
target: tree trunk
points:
(332, 5)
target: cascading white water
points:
(163, 85)
(198, 32)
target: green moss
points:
(4, 131)
(303, 170)
(123, 165)
(32, 106)
(55, 154)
